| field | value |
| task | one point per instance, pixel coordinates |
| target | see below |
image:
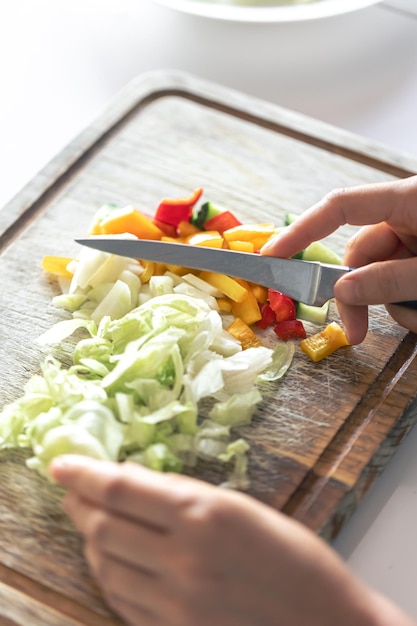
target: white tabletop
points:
(61, 63)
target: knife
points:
(309, 282)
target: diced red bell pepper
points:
(221, 222)
(282, 305)
(290, 329)
(175, 210)
(268, 316)
(167, 229)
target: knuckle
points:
(114, 490)
(98, 528)
(387, 282)
(201, 521)
(98, 563)
(203, 512)
(336, 201)
(351, 244)
(336, 196)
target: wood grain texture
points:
(322, 434)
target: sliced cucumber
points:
(318, 251)
(314, 314)
(203, 213)
(289, 218)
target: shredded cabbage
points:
(148, 356)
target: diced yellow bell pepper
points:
(130, 220)
(228, 286)
(241, 246)
(258, 234)
(244, 283)
(56, 265)
(241, 331)
(260, 292)
(148, 269)
(170, 239)
(95, 228)
(247, 309)
(324, 343)
(225, 305)
(210, 239)
(177, 269)
(159, 269)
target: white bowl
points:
(253, 12)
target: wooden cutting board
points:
(322, 434)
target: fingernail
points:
(346, 291)
(65, 462)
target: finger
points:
(127, 489)
(355, 322)
(384, 282)
(371, 243)
(132, 614)
(366, 204)
(131, 542)
(126, 582)
(404, 316)
(158, 596)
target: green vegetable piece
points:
(289, 218)
(160, 458)
(205, 212)
(318, 251)
(314, 314)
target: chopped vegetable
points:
(314, 314)
(260, 292)
(268, 316)
(258, 234)
(134, 390)
(324, 343)
(167, 230)
(210, 239)
(281, 360)
(155, 347)
(247, 308)
(173, 211)
(57, 265)
(221, 222)
(241, 246)
(243, 332)
(282, 305)
(185, 229)
(318, 251)
(130, 220)
(228, 286)
(203, 213)
(290, 329)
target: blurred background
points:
(62, 62)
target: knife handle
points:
(410, 304)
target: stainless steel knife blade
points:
(304, 281)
